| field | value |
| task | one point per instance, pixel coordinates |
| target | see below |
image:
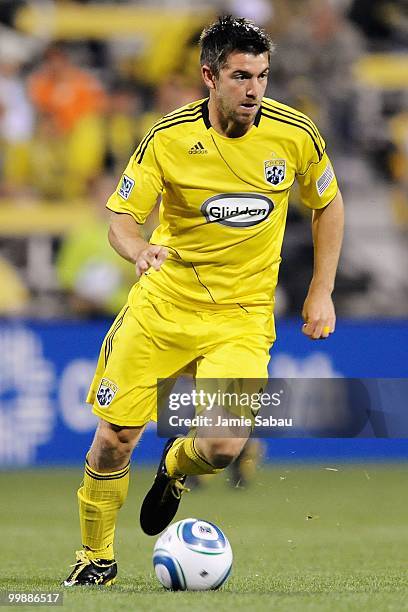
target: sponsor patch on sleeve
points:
(126, 187)
(324, 180)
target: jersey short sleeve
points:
(317, 181)
(140, 184)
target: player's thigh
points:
(240, 345)
(232, 374)
(138, 350)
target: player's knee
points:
(220, 455)
(108, 451)
(221, 460)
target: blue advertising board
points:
(46, 368)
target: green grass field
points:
(303, 539)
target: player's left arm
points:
(327, 229)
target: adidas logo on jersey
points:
(197, 149)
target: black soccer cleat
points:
(162, 501)
(95, 572)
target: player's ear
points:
(208, 76)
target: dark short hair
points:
(230, 34)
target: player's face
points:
(240, 86)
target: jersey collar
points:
(206, 115)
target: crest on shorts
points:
(106, 392)
(275, 171)
(126, 187)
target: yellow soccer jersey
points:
(224, 200)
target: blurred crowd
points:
(76, 99)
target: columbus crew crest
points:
(106, 392)
(275, 171)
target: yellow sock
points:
(183, 458)
(100, 497)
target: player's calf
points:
(102, 493)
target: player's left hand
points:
(318, 313)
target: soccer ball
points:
(192, 555)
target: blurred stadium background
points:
(80, 82)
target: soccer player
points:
(224, 167)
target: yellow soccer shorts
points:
(154, 339)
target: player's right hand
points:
(153, 256)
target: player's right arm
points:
(135, 197)
(126, 238)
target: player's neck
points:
(224, 125)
